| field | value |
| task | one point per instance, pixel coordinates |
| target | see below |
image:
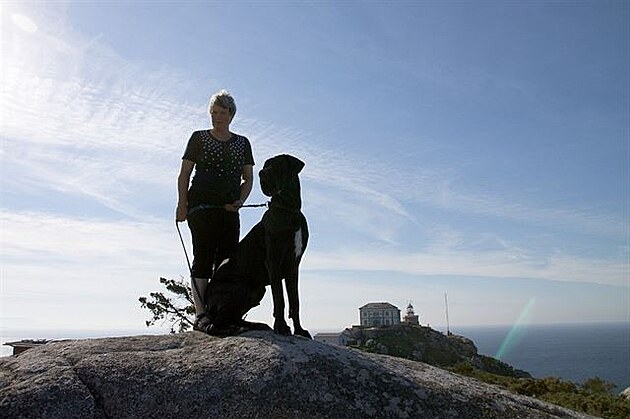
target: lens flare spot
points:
(517, 331)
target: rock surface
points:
(255, 375)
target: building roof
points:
(379, 306)
(27, 343)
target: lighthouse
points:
(411, 318)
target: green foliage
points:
(413, 342)
(597, 386)
(397, 344)
(593, 397)
(466, 368)
(537, 387)
(495, 366)
(178, 310)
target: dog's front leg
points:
(279, 325)
(273, 263)
(294, 303)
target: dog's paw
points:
(303, 332)
(280, 327)
(223, 331)
(255, 326)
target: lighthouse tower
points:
(411, 317)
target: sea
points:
(573, 352)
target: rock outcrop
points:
(255, 375)
(420, 343)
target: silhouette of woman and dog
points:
(229, 277)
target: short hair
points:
(224, 99)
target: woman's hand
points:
(234, 206)
(181, 212)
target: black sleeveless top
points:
(218, 168)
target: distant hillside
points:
(420, 343)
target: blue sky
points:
(479, 149)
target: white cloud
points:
(28, 234)
(62, 272)
(509, 263)
(92, 123)
(80, 121)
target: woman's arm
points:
(246, 188)
(248, 182)
(183, 180)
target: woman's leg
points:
(202, 226)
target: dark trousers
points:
(215, 234)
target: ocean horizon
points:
(574, 352)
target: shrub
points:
(593, 397)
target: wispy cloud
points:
(61, 271)
(98, 125)
(77, 119)
(363, 186)
(106, 131)
(496, 264)
(586, 220)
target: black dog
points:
(269, 253)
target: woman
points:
(223, 179)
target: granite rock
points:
(254, 375)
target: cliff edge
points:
(257, 374)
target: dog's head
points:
(279, 173)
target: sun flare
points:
(24, 22)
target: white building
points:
(379, 314)
(339, 339)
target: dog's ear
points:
(295, 165)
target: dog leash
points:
(264, 204)
(200, 207)
(192, 280)
(207, 206)
(185, 252)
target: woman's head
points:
(223, 99)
